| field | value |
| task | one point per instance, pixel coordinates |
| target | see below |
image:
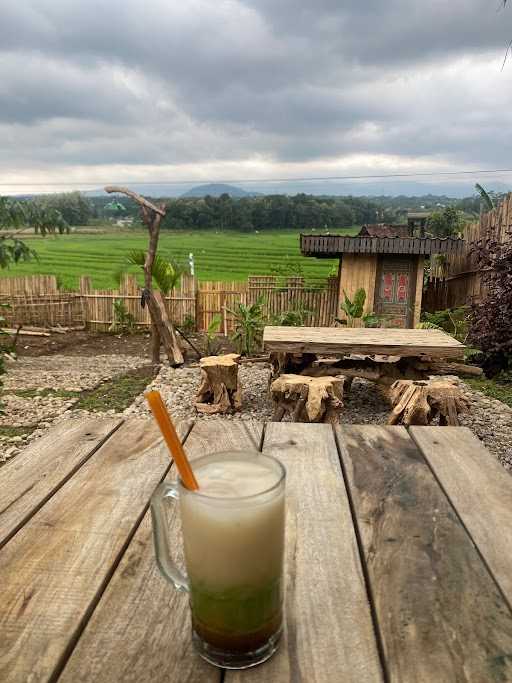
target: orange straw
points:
(171, 439)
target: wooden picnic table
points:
(362, 340)
(399, 556)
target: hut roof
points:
(384, 230)
(332, 246)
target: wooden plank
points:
(140, 630)
(441, 616)
(329, 634)
(420, 266)
(399, 342)
(479, 489)
(55, 568)
(39, 470)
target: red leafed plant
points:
(491, 328)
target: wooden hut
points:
(387, 264)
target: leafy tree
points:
(445, 223)
(45, 218)
(12, 249)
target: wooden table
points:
(362, 340)
(407, 577)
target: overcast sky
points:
(212, 89)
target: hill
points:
(217, 189)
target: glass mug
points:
(234, 549)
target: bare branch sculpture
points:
(162, 329)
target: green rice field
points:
(217, 256)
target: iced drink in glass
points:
(233, 534)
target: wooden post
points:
(161, 329)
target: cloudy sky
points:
(95, 92)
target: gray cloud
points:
(260, 85)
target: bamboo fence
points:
(457, 280)
(38, 301)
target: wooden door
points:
(395, 290)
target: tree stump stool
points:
(220, 390)
(419, 402)
(307, 399)
(282, 363)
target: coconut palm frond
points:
(166, 274)
(487, 200)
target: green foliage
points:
(372, 320)
(45, 218)
(123, 320)
(455, 321)
(73, 207)
(269, 212)
(428, 326)
(288, 268)
(498, 387)
(212, 343)
(293, 318)
(166, 273)
(249, 323)
(353, 309)
(188, 325)
(12, 250)
(445, 223)
(487, 200)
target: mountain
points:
(216, 189)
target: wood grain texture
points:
(41, 468)
(55, 568)
(329, 635)
(140, 630)
(479, 489)
(397, 342)
(441, 616)
(420, 267)
(358, 271)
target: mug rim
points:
(244, 453)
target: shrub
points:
(293, 318)
(249, 323)
(455, 321)
(491, 319)
(123, 320)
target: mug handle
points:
(165, 563)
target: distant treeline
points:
(56, 212)
(270, 212)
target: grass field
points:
(221, 256)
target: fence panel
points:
(460, 276)
(38, 301)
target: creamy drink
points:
(233, 534)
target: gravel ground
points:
(488, 418)
(33, 414)
(68, 373)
